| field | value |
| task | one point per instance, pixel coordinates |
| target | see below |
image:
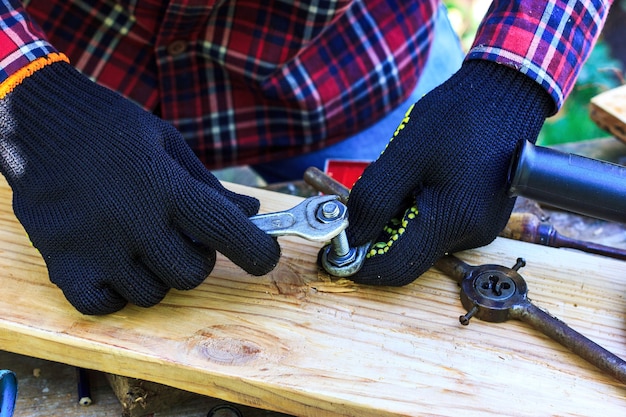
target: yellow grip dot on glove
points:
(393, 231)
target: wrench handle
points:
(274, 224)
(571, 339)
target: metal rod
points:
(571, 339)
(529, 228)
(317, 179)
(560, 241)
(453, 267)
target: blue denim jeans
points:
(445, 59)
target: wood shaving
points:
(341, 285)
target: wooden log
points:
(278, 343)
(608, 111)
(142, 398)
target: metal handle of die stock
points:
(495, 293)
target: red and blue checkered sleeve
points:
(23, 46)
(547, 40)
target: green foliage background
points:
(601, 72)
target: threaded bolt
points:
(465, 319)
(330, 210)
(340, 244)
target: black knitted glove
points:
(114, 199)
(446, 166)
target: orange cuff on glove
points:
(16, 79)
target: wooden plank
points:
(274, 342)
(608, 110)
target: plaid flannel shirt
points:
(248, 81)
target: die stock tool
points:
(496, 293)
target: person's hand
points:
(440, 185)
(114, 199)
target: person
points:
(112, 114)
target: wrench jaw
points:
(327, 217)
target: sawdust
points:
(327, 284)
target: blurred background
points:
(603, 70)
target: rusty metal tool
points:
(322, 182)
(318, 218)
(496, 294)
(529, 228)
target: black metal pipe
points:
(571, 182)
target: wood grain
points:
(275, 342)
(608, 111)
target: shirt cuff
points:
(549, 41)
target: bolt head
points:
(330, 210)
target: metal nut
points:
(330, 211)
(340, 260)
(343, 266)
